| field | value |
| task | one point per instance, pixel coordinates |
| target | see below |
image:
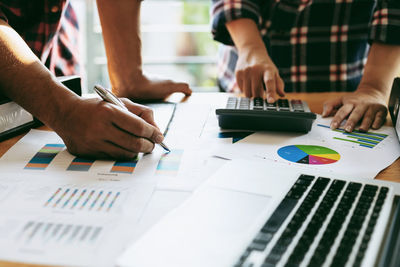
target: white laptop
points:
(252, 214)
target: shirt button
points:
(55, 9)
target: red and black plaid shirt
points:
(317, 45)
(50, 29)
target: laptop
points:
(394, 105)
(252, 214)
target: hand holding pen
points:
(108, 96)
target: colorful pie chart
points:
(306, 154)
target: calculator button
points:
(258, 103)
(298, 108)
(297, 105)
(283, 104)
(231, 104)
(244, 103)
(270, 106)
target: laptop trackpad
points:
(215, 223)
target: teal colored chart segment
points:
(236, 136)
(292, 153)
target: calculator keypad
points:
(244, 103)
(257, 114)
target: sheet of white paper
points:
(163, 114)
(191, 161)
(160, 204)
(80, 223)
(355, 155)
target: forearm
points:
(24, 79)
(120, 21)
(246, 36)
(383, 65)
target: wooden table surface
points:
(314, 101)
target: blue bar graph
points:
(363, 139)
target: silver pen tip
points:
(165, 147)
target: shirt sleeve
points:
(224, 11)
(385, 26)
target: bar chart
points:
(362, 139)
(82, 199)
(169, 163)
(80, 164)
(44, 156)
(58, 233)
(125, 166)
(236, 136)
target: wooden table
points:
(314, 100)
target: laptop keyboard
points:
(325, 229)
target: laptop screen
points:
(394, 104)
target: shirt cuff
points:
(385, 26)
(224, 11)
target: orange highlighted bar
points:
(36, 165)
(122, 169)
(82, 163)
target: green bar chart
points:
(362, 139)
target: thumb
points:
(330, 105)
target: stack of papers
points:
(64, 210)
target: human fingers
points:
(257, 88)
(239, 80)
(280, 86)
(379, 118)
(330, 106)
(114, 151)
(341, 114)
(269, 81)
(355, 116)
(368, 119)
(174, 87)
(137, 126)
(104, 150)
(246, 81)
(142, 111)
(128, 141)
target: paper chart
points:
(362, 139)
(305, 154)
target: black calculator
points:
(257, 114)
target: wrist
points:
(125, 85)
(62, 102)
(121, 81)
(375, 87)
(373, 91)
(255, 55)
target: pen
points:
(108, 96)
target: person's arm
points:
(90, 128)
(368, 103)
(254, 68)
(120, 22)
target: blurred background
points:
(176, 43)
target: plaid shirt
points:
(50, 29)
(317, 45)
